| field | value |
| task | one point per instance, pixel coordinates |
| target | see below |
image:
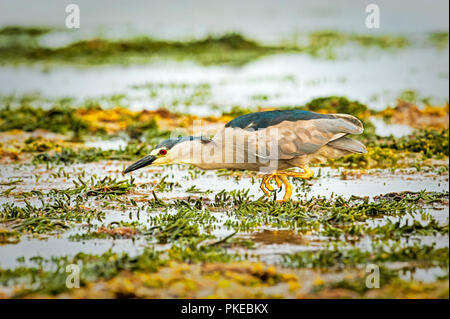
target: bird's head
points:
(171, 151)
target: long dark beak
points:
(139, 164)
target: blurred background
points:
(269, 19)
(280, 53)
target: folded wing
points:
(292, 133)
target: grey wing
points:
(297, 138)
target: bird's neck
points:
(205, 155)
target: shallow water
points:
(384, 129)
(267, 248)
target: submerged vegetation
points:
(324, 43)
(229, 49)
(439, 39)
(428, 255)
(132, 151)
(430, 143)
(56, 119)
(191, 242)
(21, 30)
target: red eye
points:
(162, 152)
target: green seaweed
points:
(340, 257)
(439, 39)
(93, 267)
(93, 154)
(430, 143)
(59, 119)
(228, 49)
(22, 30)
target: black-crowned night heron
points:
(270, 142)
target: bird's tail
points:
(348, 144)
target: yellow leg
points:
(267, 183)
(281, 178)
(288, 192)
(277, 179)
(307, 173)
(263, 183)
